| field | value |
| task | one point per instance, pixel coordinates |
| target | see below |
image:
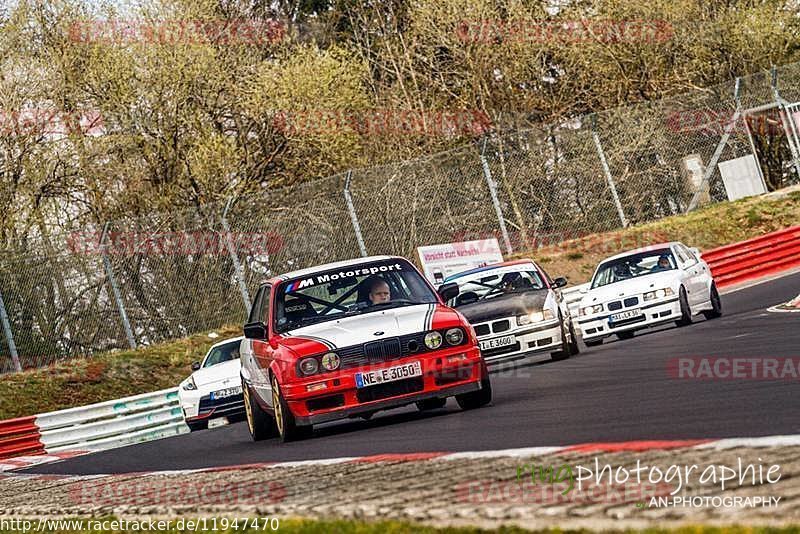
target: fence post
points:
(607, 171)
(712, 164)
(12, 348)
(237, 266)
(487, 173)
(789, 126)
(353, 216)
(117, 295)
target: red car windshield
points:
(352, 290)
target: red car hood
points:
(370, 326)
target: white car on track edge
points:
(214, 389)
(647, 287)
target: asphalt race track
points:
(619, 391)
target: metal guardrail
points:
(755, 258)
(100, 426)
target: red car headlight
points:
(454, 336)
(433, 340)
(330, 361)
(309, 366)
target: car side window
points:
(690, 258)
(264, 313)
(680, 255)
(255, 310)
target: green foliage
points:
(190, 123)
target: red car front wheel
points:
(288, 429)
(259, 422)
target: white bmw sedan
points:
(647, 287)
(214, 388)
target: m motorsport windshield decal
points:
(343, 274)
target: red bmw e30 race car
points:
(351, 338)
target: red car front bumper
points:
(332, 396)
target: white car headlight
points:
(535, 317)
(591, 310)
(433, 340)
(189, 385)
(658, 294)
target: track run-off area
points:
(620, 391)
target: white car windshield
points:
(495, 283)
(223, 353)
(633, 266)
(352, 290)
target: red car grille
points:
(382, 350)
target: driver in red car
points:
(379, 291)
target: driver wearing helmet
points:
(663, 264)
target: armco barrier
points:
(98, 426)
(20, 436)
(755, 258)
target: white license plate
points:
(496, 342)
(630, 314)
(228, 392)
(390, 374)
